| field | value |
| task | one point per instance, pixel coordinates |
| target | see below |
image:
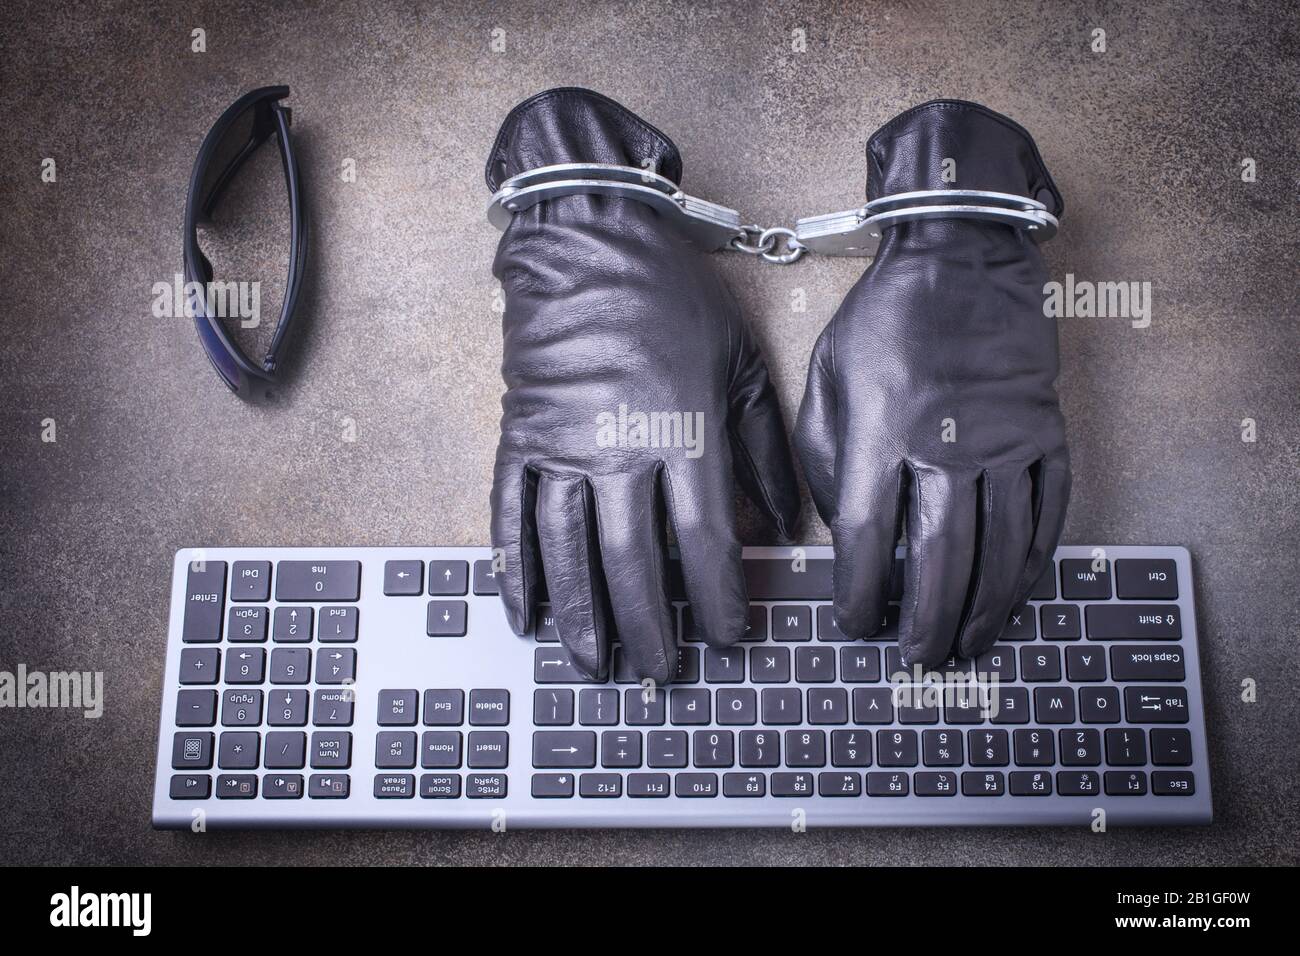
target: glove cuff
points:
(573, 125)
(991, 152)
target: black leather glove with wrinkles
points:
(931, 398)
(608, 304)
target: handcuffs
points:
(853, 232)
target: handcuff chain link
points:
(765, 241)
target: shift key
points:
(1133, 622)
(318, 581)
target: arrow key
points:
(286, 708)
(336, 666)
(446, 619)
(448, 577)
(403, 578)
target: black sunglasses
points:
(249, 122)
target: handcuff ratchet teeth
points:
(853, 232)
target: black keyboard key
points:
(446, 619)
(546, 631)
(968, 704)
(780, 579)
(1125, 783)
(395, 749)
(1054, 705)
(598, 706)
(782, 705)
(988, 748)
(1060, 622)
(1021, 624)
(236, 786)
(241, 708)
(190, 786)
(805, 748)
(1045, 588)
(1126, 747)
(250, 581)
(403, 578)
(1034, 748)
(998, 663)
(1146, 579)
(1078, 783)
(290, 665)
(282, 786)
(487, 750)
(329, 786)
(245, 665)
(850, 748)
(939, 783)
(292, 625)
(1171, 747)
(485, 581)
(1085, 579)
(238, 750)
(596, 786)
(196, 708)
(941, 748)
(246, 625)
(318, 581)
(1155, 705)
(331, 751)
(488, 707)
(791, 623)
(200, 665)
(440, 750)
(814, 665)
(440, 786)
(649, 785)
(882, 784)
(645, 707)
(553, 664)
(1039, 663)
(1134, 622)
(286, 750)
(744, 785)
(553, 786)
(448, 577)
(696, 785)
(337, 625)
(205, 589)
(769, 665)
(1085, 664)
(553, 707)
(916, 706)
(394, 786)
(689, 705)
(286, 708)
(1080, 748)
(332, 708)
(724, 665)
(873, 705)
(760, 748)
(191, 751)
(620, 749)
(828, 705)
(737, 706)
(564, 749)
(896, 748)
(1099, 705)
(398, 708)
(988, 783)
(1010, 705)
(444, 707)
(839, 784)
(714, 748)
(1173, 783)
(859, 665)
(1146, 662)
(792, 784)
(756, 624)
(1031, 783)
(486, 786)
(336, 665)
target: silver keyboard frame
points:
(394, 652)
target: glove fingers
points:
(711, 567)
(814, 433)
(1053, 496)
(566, 530)
(865, 534)
(940, 552)
(514, 542)
(760, 452)
(634, 553)
(1006, 529)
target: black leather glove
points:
(931, 395)
(611, 312)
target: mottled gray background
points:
(401, 339)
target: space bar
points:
(783, 579)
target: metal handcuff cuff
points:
(854, 232)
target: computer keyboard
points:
(382, 687)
